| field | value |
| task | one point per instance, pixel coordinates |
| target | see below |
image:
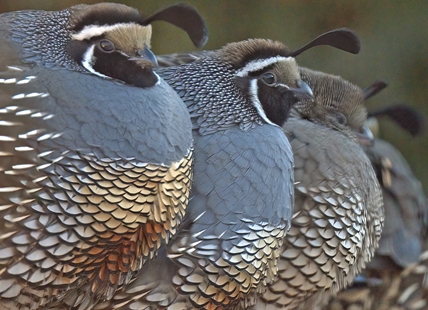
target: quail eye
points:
(341, 119)
(269, 78)
(107, 46)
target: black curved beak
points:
(365, 136)
(147, 54)
(302, 91)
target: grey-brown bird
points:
(95, 172)
(338, 211)
(396, 277)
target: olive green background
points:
(394, 37)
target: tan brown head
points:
(338, 103)
(113, 40)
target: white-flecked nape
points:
(259, 64)
(96, 30)
(256, 102)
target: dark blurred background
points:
(394, 36)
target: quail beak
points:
(146, 57)
(302, 91)
(365, 136)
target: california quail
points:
(396, 277)
(229, 242)
(406, 208)
(94, 174)
(338, 203)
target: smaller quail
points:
(396, 277)
(406, 208)
(338, 203)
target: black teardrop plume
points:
(374, 89)
(343, 39)
(184, 17)
(406, 117)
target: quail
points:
(338, 211)
(238, 97)
(396, 277)
(95, 173)
(406, 208)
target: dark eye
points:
(341, 119)
(107, 46)
(268, 78)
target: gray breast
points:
(95, 176)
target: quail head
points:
(228, 245)
(396, 277)
(338, 211)
(95, 173)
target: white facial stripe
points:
(260, 64)
(95, 30)
(256, 102)
(158, 77)
(87, 62)
(283, 85)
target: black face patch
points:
(276, 101)
(138, 73)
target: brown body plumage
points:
(396, 278)
(338, 204)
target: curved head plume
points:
(403, 115)
(181, 15)
(184, 17)
(343, 39)
(374, 89)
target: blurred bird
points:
(396, 277)
(242, 194)
(95, 174)
(338, 212)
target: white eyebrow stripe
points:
(96, 30)
(259, 64)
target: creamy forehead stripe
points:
(259, 64)
(96, 30)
